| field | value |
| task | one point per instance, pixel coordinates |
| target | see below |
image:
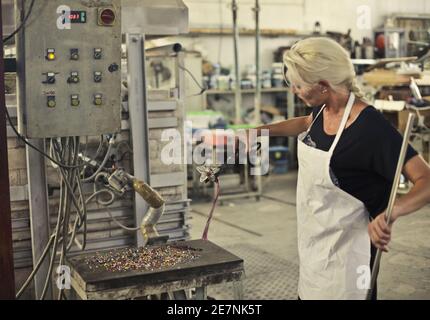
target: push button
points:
(51, 103)
(50, 54)
(74, 78)
(98, 99)
(75, 100)
(97, 76)
(74, 54)
(98, 53)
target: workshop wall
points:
(334, 15)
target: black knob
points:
(113, 67)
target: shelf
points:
(247, 32)
(363, 61)
(248, 91)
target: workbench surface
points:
(213, 260)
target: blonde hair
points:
(314, 59)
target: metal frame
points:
(140, 123)
(138, 109)
(39, 212)
(7, 275)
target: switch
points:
(107, 17)
(74, 100)
(98, 99)
(51, 103)
(113, 67)
(50, 54)
(97, 76)
(74, 54)
(50, 78)
(74, 78)
(98, 53)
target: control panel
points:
(69, 77)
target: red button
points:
(107, 16)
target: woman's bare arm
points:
(418, 172)
(288, 128)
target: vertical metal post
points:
(137, 105)
(238, 93)
(257, 102)
(39, 213)
(180, 83)
(238, 290)
(7, 276)
(202, 293)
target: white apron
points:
(332, 227)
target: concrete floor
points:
(268, 228)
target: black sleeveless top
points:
(365, 159)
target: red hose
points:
(205, 232)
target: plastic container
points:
(278, 156)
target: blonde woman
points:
(347, 154)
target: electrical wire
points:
(73, 157)
(202, 89)
(21, 25)
(53, 253)
(34, 147)
(119, 223)
(63, 174)
(36, 267)
(105, 159)
(105, 204)
(66, 151)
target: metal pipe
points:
(157, 203)
(237, 91)
(257, 102)
(7, 276)
(164, 50)
(392, 199)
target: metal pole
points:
(238, 93)
(257, 104)
(137, 105)
(392, 199)
(180, 83)
(39, 213)
(164, 50)
(257, 101)
(7, 276)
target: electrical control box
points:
(68, 62)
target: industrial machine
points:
(69, 86)
(70, 94)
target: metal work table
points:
(214, 266)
